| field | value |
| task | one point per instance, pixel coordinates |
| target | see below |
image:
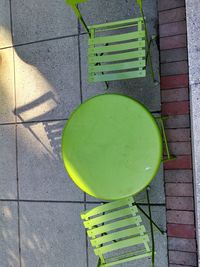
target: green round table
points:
(111, 146)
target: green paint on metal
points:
(115, 48)
(112, 147)
(169, 155)
(123, 231)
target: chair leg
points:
(151, 228)
(149, 57)
(99, 263)
(148, 45)
(150, 219)
(169, 156)
(106, 83)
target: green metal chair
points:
(116, 228)
(117, 50)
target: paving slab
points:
(42, 175)
(156, 193)
(8, 177)
(7, 99)
(40, 20)
(9, 242)
(5, 24)
(47, 79)
(52, 235)
(142, 89)
(158, 214)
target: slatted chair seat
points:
(117, 56)
(116, 228)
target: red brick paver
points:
(177, 41)
(181, 231)
(180, 203)
(175, 108)
(174, 81)
(170, 4)
(183, 258)
(175, 105)
(178, 176)
(181, 162)
(172, 15)
(172, 95)
(171, 55)
(171, 29)
(188, 245)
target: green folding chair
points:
(117, 234)
(117, 50)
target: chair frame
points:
(90, 31)
(161, 120)
(101, 209)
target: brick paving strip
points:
(175, 103)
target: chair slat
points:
(116, 38)
(110, 216)
(107, 207)
(118, 66)
(116, 47)
(138, 230)
(122, 244)
(115, 23)
(117, 76)
(116, 28)
(116, 57)
(114, 226)
(127, 259)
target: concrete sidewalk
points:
(43, 77)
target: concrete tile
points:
(195, 122)
(96, 12)
(42, 175)
(193, 38)
(5, 28)
(9, 252)
(7, 99)
(8, 180)
(142, 89)
(40, 20)
(161, 260)
(156, 193)
(47, 79)
(52, 235)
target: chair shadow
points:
(53, 129)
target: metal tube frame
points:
(169, 156)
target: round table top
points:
(111, 146)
